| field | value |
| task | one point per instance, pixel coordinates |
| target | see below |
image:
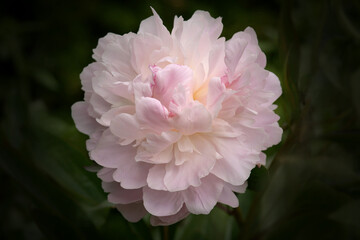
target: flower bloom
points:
(177, 120)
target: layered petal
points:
(177, 120)
(162, 203)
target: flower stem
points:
(165, 233)
(238, 216)
(236, 212)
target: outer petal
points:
(114, 51)
(236, 165)
(119, 195)
(132, 174)
(154, 26)
(162, 203)
(272, 85)
(84, 123)
(228, 197)
(106, 174)
(161, 221)
(109, 153)
(133, 212)
(202, 199)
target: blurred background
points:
(311, 186)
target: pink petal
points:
(108, 116)
(98, 104)
(194, 118)
(234, 51)
(168, 220)
(239, 188)
(155, 178)
(119, 195)
(274, 134)
(272, 85)
(228, 197)
(110, 88)
(114, 51)
(215, 97)
(202, 199)
(236, 164)
(133, 212)
(194, 166)
(87, 75)
(106, 174)
(168, 78)
(157, 148)
(162, 203)
(109, 153)
(152, 114)
(126, 127)
(132, 174)
(154, 26)
(84, 123)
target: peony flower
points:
(177, 120)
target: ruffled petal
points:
(163, 221)
(119, 195)
(192, 167)
(162, 203)
(194, 118)
(155, 178)
(167, 79)
(132, 174)
(202, 199)
(110, 154)
(215, 96)
(236, 164)
(228, 197)
(84, 123)
(133, 212)
(126, 127)
(151, 114)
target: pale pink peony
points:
(177, 120)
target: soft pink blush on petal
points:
(166, 80)
(162, 203)
(163, 221)
(133, 212)
(177, 120)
